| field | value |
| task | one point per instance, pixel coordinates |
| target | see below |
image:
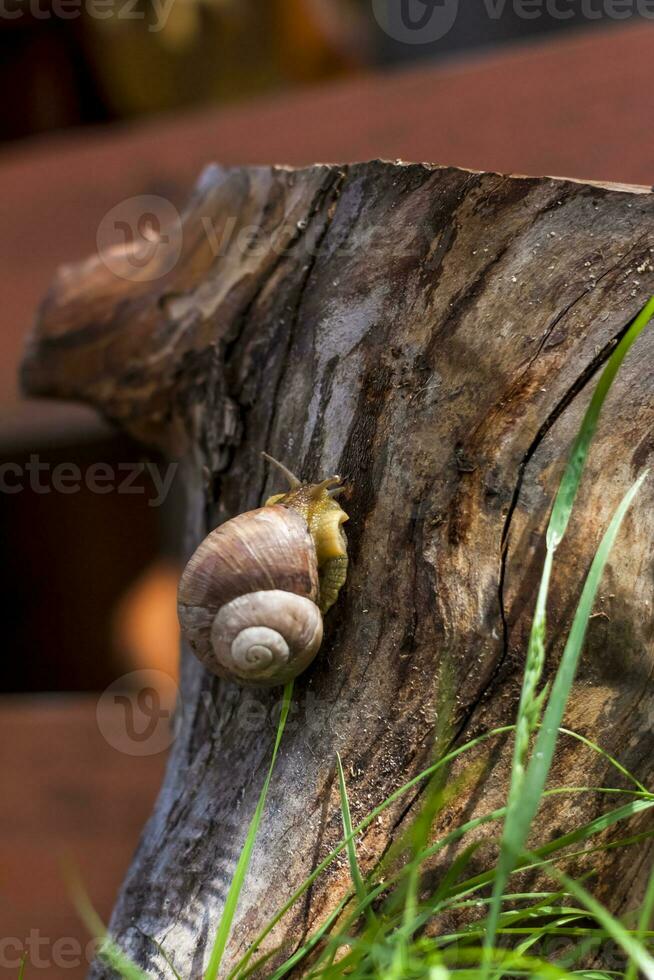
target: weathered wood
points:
(432, 334)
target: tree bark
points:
(433, 335)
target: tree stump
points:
(433, 335)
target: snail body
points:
(252, 598)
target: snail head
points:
(317, 503)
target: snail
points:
(252, 598)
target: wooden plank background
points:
(66, 795)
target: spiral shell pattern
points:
(266, 638)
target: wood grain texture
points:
(432, 334)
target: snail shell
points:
(252, 596)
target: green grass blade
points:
(417, 837)
(605, 755)
(452, 875)
(506, 959)
(224, 929)
(520, 816)
(572, 476)
(311, 943)
(591, 829)
(528, 709)
(118, 961)
(643, 925)
(611, 926)
(108, 951)
(168, 960)
(436, 795)
(546, 739)
(355, 872)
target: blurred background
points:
(83, 62)
(105, 100)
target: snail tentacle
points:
(293, 481)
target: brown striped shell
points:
(247, 598)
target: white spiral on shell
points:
(256, 647)
(266, 637)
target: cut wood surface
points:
(433, 335)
